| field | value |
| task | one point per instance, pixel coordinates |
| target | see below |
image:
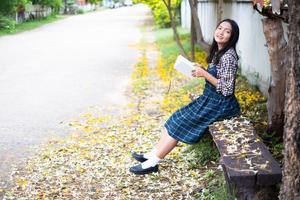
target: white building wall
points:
(254, 58)
(208, 19)
(185, 14)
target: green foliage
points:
(9, 6)
(160, 12)
(203, 152)
(209, 174)
(278, 148)
(51, 3)
(30, 25)
(69, 2)
(79, 11)
(167, 45)
(216, 188)
(94, 1)
(21, 3)
(56, 4)
(6, 23)
(274, 143)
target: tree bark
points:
(65, 8)
(193, 38)
(220, 10)
(196, 21)
(273, 31)
(174, 28)
(290, 188)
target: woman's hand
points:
(198, 71)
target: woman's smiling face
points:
(222, 34)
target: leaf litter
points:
(93, 161)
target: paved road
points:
(55, 72)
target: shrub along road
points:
(52, 73)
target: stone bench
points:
(249, 168)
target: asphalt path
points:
(51, 74)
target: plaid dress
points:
(189, 123)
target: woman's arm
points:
(200, 72)
(225, 82)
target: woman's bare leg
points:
(165, 144)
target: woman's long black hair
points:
(214, 52)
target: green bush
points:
(7, 23)
(7, 6)
(79, 11)
(160, 12)
(161, 16)
(55, 4)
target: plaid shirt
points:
(226, 73)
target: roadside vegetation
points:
(160, 12)
(29, 25)
(21, 15)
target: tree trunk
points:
(65, 8)
(290, 188)
(199, 35)
(220, 10)
(174, 28)
(193, 38)
(273, 31)
(177, 38)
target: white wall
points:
(185, 14)
(36, 11)
(254, 59)
(208, 19)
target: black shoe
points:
(138, 157)
(140, 171)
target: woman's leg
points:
(163, 147)
(165, 144)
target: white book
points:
(184, 66)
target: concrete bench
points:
(248, 166)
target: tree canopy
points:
(8, 6)
(51, 3)
(160, 12)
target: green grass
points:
(216, 188)
(167, 45)
(29, 25)
(166, 34)
(204, 151)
